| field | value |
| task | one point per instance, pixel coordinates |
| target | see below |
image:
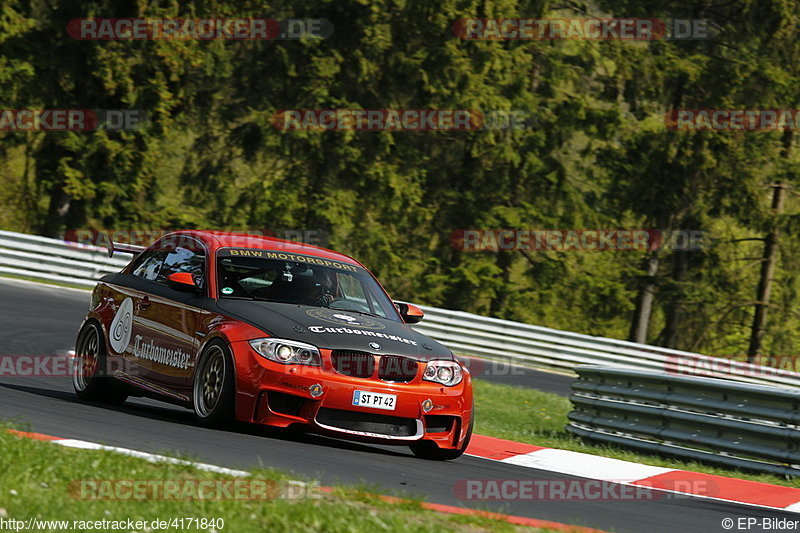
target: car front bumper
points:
(321, 399)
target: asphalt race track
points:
(38, 320)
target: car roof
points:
(229, 239)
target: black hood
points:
(333, 329)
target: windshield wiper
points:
(359, 312)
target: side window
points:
(149, 264)
(183, 260)
(156, 264)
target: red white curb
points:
(448, 509)
(629, 473)
(553, 460)
(150, 457)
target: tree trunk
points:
(56, 212)
(765, 281)
(770, 257)
(644, 302)
(674, 309)
(499, 301)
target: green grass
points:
(35, 481)
(534, 417)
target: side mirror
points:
(182, 281)
(411, 313)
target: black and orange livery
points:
(272, 332)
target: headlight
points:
(287, 352)
(445, 372)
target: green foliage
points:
(599, 155)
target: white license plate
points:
(376, 400)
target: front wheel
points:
(426, 449)
(212, 391)
(89, 377)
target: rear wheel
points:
(426, 449)
(89, 372)
(212, 391)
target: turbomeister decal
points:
(363, 332)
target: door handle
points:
(144, 303)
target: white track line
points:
(150, 457)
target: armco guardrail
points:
(738, 425)
(464, 333)
(495, 338)
(46, 259)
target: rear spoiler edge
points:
(125, 248)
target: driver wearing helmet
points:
(315, 290)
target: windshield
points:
(300, 279)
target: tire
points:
(213, 386)
(88, 375)
(426, 449)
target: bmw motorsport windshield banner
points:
(284, 256)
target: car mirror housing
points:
(410, 313)
(182, 281)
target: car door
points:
(163, 340)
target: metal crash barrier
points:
(737, 425)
